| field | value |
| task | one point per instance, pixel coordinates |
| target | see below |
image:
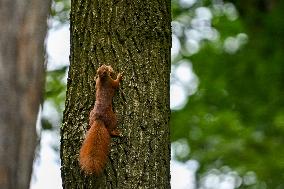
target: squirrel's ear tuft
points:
(102, 71)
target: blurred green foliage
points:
(60, 10)
(236, 117)
(54, 97)
(55, 88)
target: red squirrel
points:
(102, 122)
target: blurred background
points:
(227, 89)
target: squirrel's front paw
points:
(119, 76)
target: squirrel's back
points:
(95, 148)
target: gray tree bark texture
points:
(134, 37)
(22, 33)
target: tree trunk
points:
(22, 32)
(134, 38)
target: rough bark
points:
(22, 32)
(134, 38)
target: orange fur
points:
(95, 148)
(102, 121)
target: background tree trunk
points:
(22, 33)
(133, 37)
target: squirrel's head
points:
(104, 71)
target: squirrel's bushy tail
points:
(95, 148)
